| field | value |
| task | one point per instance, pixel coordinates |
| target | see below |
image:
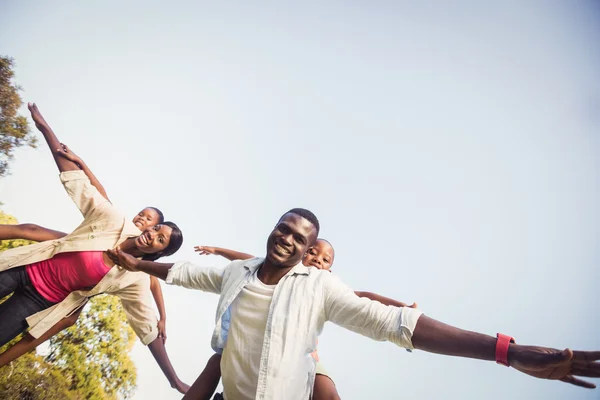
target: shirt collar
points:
(254, 263)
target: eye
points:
(326, 261)
(299, 239)
(161, 240)
(283, 229)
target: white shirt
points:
(241, 356)
(303, 300)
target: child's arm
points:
(227, 253)
(207, 382)
(29, 232)
(384, 300)
(158, 299)
(65, 152)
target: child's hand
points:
(162, 330)
(413, 305)
(205, 250)
(68, 154)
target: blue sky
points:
(451, 153)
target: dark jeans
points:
(24, 302)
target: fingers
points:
(578, 382)
(63, 154)
(559, 357)
(584, 368)
(586, 355)
(114, 255)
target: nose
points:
(286, 239)
(152, 234)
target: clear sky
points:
(451, 152)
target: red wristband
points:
(502, 344)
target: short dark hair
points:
(161, 216)
(175, 243)
(306, 214)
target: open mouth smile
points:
(144, 239)
(279, 249)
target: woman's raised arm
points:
(62, 163)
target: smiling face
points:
(146, 218)
(154, 239)
(290, 239)
(320, 255)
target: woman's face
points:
(146, 218)
(319, 256)
(154, 239)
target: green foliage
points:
(31, 378)
(95, 351)
(14, 128)
(89, 360)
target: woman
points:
(146, 218)
(52, 279)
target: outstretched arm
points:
(379, 322)
(157, 348)
(62, 163)
(160, 304)
(29, 232)
(541, 362)
(181, 274)
(384, 300)
(67, 153)
(219, 251)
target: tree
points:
(87, 361)
(14, 128)
(95, 352)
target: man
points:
(271, 311)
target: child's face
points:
(146, 218)
(319, 256)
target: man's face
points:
(290, 239)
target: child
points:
(320, 256)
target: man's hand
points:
(37, 117)
(124, 260)
(547, 363)
(205, 250)
(162, 330)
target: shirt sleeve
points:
(188, 275)
(367, 317)
(137, 303)
(85, 196)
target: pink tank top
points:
(64, 273)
